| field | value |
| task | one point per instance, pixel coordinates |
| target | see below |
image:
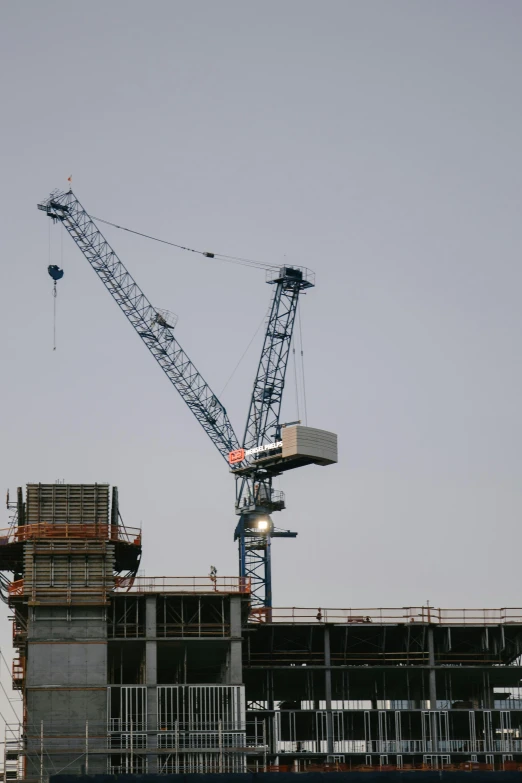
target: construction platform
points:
(126, 674)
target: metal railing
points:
(273, 274)
(70, 530)
(18, 672)
(16, 588)
(356, 746)
(183, 584)
(140, 585)
(388, 616)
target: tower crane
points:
(268, 447)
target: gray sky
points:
(376, 142)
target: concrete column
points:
(234, 675)
(151, 680)
(432, 673)
(328, 691)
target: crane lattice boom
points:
(153, 330)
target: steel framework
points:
(255, 497)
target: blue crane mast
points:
(255, 496)
(250, 462)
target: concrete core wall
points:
(66, 686)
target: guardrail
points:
(388, 616)
(136, 585)
(70, 530)
(183, 584)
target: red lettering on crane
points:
(236, 456)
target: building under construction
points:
(121, 673)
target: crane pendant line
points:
(160, 341)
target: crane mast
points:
(255, 497)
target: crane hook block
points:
(55, 272)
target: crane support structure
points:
(261, 456)
(255, 497)
(146, 320)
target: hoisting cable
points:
(54, 292)
(207, 254)
(302, 363)
(54, 316)
(56, 274)
(295, 378)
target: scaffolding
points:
(125, 745)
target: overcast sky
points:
(376, 142)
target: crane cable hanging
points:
(54, 291)
(55, 273)
(222, 257)
(302, 363)
(54, 316)
(295, 377)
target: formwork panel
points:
(66, 572)
(67, 503)
(67, 623)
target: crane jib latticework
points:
(255, 498)
(265, 406)
(143, 316)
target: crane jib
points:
(139, 311)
